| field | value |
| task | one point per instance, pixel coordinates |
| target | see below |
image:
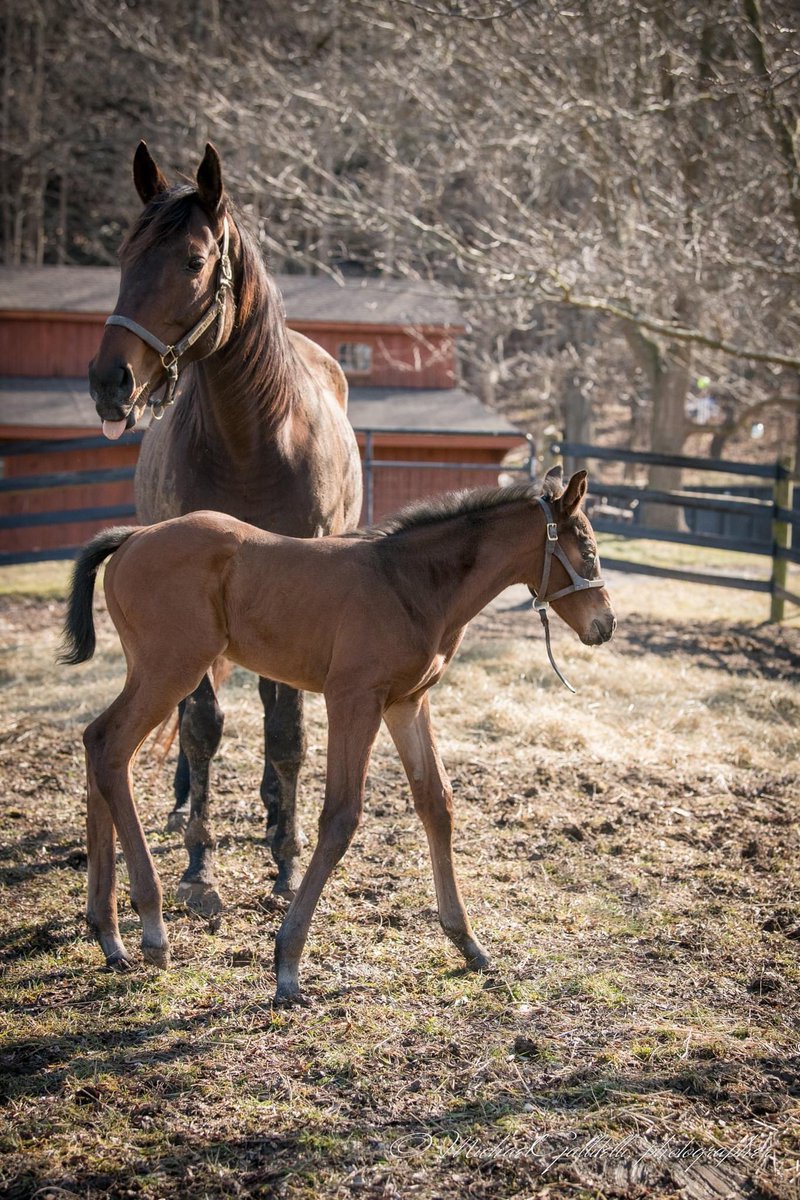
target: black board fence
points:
(760, 523)
(52, 481)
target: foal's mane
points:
(435, 509)
(257, 363)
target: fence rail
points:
(779, 510)
(114, 512)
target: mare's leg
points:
(111, 743)
(285, 750)
(270, 788)
(410, 727)
(352, 727)
(179, 817)
(201, 732)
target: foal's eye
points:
(195, 264)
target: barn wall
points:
(57, 345)
(48, 346)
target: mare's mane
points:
(257, 363)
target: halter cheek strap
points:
(541, 600)
(171, 355)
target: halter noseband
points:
(541, 600)
(171, 355)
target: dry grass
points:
(629, 856)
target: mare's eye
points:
(195, 264)
(590, 559)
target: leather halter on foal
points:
(171, 355)
(541, 600)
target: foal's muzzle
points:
(601, 630)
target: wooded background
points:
(611, 189)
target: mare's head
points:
(172, 264)
(568, 575)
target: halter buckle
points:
(169, 360)
(552, 531)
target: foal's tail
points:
(78, 640)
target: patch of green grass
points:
(45, 580)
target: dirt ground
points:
(629, 856)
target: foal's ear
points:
(555, 473)
(147, 175)
(210, 188)
(574, 493)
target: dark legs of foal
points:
(201, 723)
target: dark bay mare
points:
(371, 620)
(254, 425)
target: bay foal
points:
(370, 620)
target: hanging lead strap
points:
(542, 611)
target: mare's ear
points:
(574, 493)
(147, 175)
(555, 473)
(210, 188)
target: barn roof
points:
(65, 404)
(356, 299)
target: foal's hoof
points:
(201, 898)
(156, 956)
(177, 820)
(118, 963)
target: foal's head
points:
(171, 266)
(577, 594)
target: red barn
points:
(396, 341)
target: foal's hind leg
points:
(201, 732)
(285, 750)
(111, 743)
(410, 727)
(101, 901)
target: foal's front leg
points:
(410, 726)
(352, 729)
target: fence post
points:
(781, 535)
(369, 481)
(531, 456)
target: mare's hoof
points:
(177, 820)
(201, 898)
(118, 963)
(290, 997)
(284, 888)
(271, 830)
(157, 956)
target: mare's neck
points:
(248, 390)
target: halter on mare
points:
(171, 355)
(541, 600)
